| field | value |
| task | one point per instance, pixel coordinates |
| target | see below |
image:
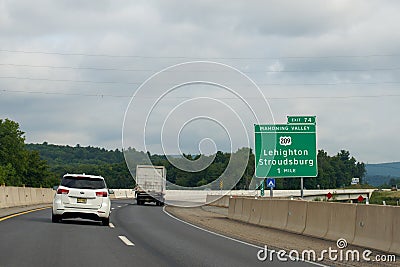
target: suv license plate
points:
(81, 200)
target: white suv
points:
(82, 196)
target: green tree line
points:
(333, 171)
(90, 160)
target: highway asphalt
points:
(137, 236)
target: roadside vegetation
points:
(18, 165)
(389, 197)
(360, 186)
(393, 182)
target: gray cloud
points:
(294, 50)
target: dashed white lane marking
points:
(113, 208)
(119, 206)
(111, 225)
(126, 240)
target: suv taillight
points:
(62, 191)
(101, 194)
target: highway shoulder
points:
(215, 220)
(5, 212)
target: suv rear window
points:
(83, 182)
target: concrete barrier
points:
(122, 193)
(41, 195)
(324, 220)
(21, 197)
(341, 221)
(279, 211)
(395, 245)
(2, 197)
(256, 210)
(47, 195)
(28, 195)
(117, 193)
(12, 197)
(246, 210)
(130, 193)
(296, 216)
(34, 195)
(218, 200)
(210, 199)
(237, 214)
(224, 201)
(231, 208)
(266, 213)
(374, 226)
(317, 221)
(371, 226)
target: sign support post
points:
(271, 184)
(262, 187)
(301, 187)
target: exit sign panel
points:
(286, 150)
(301, 119)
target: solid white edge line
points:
(126, 240)
(111, 225)
(231, 238)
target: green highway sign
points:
(286, 150)
(301, 119)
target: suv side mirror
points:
(110, 191)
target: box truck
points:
(150, 184)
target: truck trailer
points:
(150, 184)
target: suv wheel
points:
(55, 218)
(105, 221)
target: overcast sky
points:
(68, 70)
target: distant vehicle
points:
(150, 184)
(355, 181)
(394, 187)
(82, 196)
